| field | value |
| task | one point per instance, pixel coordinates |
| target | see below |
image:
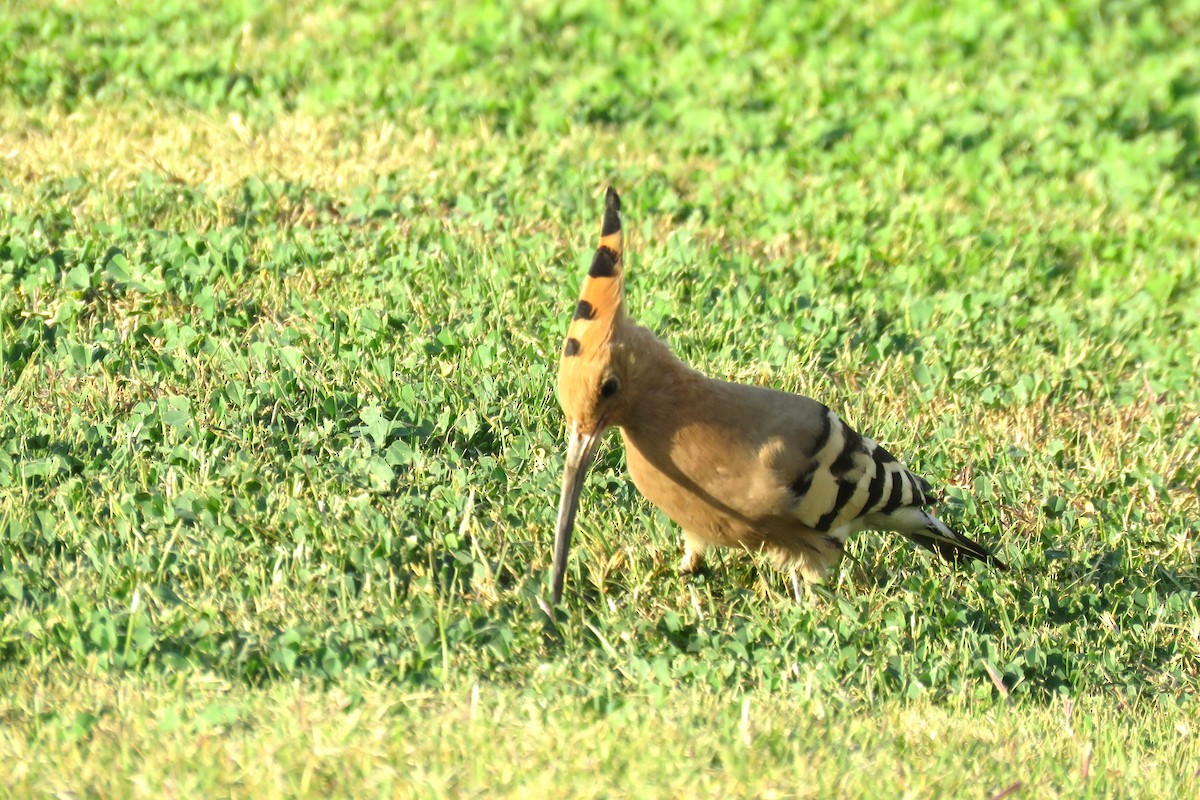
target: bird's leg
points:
(797, 587)
(693, 555)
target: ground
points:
(282, 289)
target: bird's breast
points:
(708, 486)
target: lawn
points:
(282, 292)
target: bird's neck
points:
(661, 383)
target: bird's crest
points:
(601, 300)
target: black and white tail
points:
(934, 535)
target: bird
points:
(734, 465)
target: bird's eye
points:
(609, 388)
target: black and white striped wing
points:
(849, 482)
(849, 477)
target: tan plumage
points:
(733, 465)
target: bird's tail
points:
(936, 536)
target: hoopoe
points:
(732, 465)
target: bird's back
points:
(762, 469)
(716, 458)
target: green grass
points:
(282, 289)
(193, 735)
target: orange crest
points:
(601, 299)
(598, 314)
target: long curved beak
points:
(580, 449)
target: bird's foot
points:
(692, 562)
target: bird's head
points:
(592, 373)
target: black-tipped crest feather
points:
(612, 213)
